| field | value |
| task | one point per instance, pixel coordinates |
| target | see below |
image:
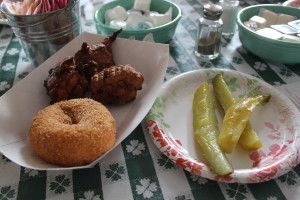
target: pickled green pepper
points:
(206, 130)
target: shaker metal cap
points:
(212, 11)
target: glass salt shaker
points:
(230, 10)
(209, 32)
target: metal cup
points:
(41, 35)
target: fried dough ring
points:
(72, 132)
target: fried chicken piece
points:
(65, 82)
(89, 69)
(101, 53)
(116, 85)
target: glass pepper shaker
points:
(209, 33)
(230, 10)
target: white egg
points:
(129, 12)
(136, 17)
(142, 4)
(116, 13)
(150, 13)
(118, 24)
(160, 19)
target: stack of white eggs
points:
(138, 18)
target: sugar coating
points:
(73, 132)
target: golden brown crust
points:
(101, 53)
(93, 67)
(65, 82)
(72, 133)
(116, 85)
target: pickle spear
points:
(206, 130)
(249, 139)
(235, 120)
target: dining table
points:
(136, 169)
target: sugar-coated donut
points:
(73, 132)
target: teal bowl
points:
(267, 48)
(161, 34)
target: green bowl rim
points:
(161, 27)
(253, 33)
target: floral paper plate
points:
(277, 124)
